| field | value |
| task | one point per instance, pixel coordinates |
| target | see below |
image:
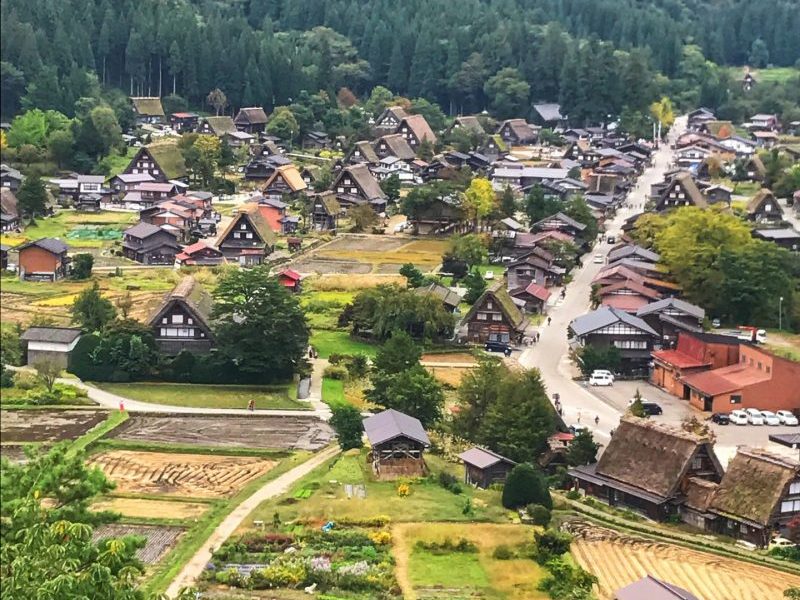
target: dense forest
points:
(265, 52)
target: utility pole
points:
(780, 313)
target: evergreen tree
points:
(32, 196)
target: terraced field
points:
(186, 475)
(618, 560)
(159, 539)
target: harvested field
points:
(618, 560)
(361, 254)
(250, 431)
(145, 508)
(160, 539)
(188, 475)
(465, 358)
(22, 426)
(447, 375)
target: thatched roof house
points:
(182, 322)
(647, 467)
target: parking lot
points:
(675, 410)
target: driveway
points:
(551, 354)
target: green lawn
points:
(340, 342)
(453, 570)
(780, 74)
(428, 501)
(209, 396)
(333, 392)
(116, 164)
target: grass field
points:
(209, 396)
(65, 221)
(428, 501)
(340, 342)
(333, 392)
(779, 74)
(424, 574)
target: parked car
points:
(787, 418)
(600, 379)
(716, 323)
(754, 416)
(720, 418)
(498, 347)
(575, 428)
(781, 542)
(651, 408)
(603, 372)
(738, 417)
(599, 259)
(611, 239)
(770, 418)
(488, 275)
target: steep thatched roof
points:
(192, 295)
(148, 107)
(699, 493)
(507, 306)
(252, 213)
(221, 125)
(168, 156)
(650, 456)
(762, 197)
(753, 485)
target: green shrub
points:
(25, 380)
(573, 495)
(347, 422)
(503, 552)
(230, 577)
(6, 377)
(525, 485)
(337, 372)
(449, 482)
(551, 544)
(447, 546)
(538, 514)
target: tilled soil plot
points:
(185, 475)
(47, 425)
(280, 433)
(160, 539)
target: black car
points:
(651, 408)
(498, 347)
(721, 418)
(611, 239)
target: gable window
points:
(243, 226)
(794, 488)
(237, 235)
(788, 506)
(177, 319)
(249, 236)
(497, 317)
(481, 316)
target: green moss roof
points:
(169, 158)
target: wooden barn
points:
(483, 467)
(398, 442)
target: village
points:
(458, 356)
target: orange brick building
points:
(758, 380)
(43, 260)
(694, 353)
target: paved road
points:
(194, 568)
(551, 354)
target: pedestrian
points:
(579, 416)
(310, 352)
(549, 320)
(597, 420)
(122, 406)
(251, 405)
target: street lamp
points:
(780, 313)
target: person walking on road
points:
(597, 421)
(251, 404)
(549, 320)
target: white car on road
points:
(599, 259)
(770, 418)
(603, 372)
(754, 416)
(738, 417)
(787, 418)
(600, 379)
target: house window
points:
(630, 344)
(489, 305)
(177, 319)
(164, 320)
(759, 365)
(794, 488)
(243, 226)
(237, 235)
(497, 317)
(481, 316)
(788, 506)
(697, 463)
(190, 321)
(155, 171)
(249, 236)
(736, 398)
(340, 190)
(742, 528)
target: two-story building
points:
(149, 244)
(248, 239)
(163, 161)
(355, 185)
(182, 322)
(495, 317)
(251, 119)
(415, 130)
(44, 259)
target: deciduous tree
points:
(91, 311)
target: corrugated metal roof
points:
(390, 424)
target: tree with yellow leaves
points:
(663, 113)
(479, 200)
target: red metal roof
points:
(626, 302)
(562, 437)
(726, 379)
(678, 359)
(537, 291)
(288, 273)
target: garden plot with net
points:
(99, 233)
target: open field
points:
(779, 74)
(618, 560)
(188, 475)
(476, 575)
(160, 539)
(21, 426)
(449, 367)
(24, 300)
(340, 342)
(75, 228)
(250, 431)
(145, 508)
(324, 496)
(362, 254)
(210, 396)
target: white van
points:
(754, 416)
(603, 372)
(601, 379)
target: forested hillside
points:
(266, 52)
